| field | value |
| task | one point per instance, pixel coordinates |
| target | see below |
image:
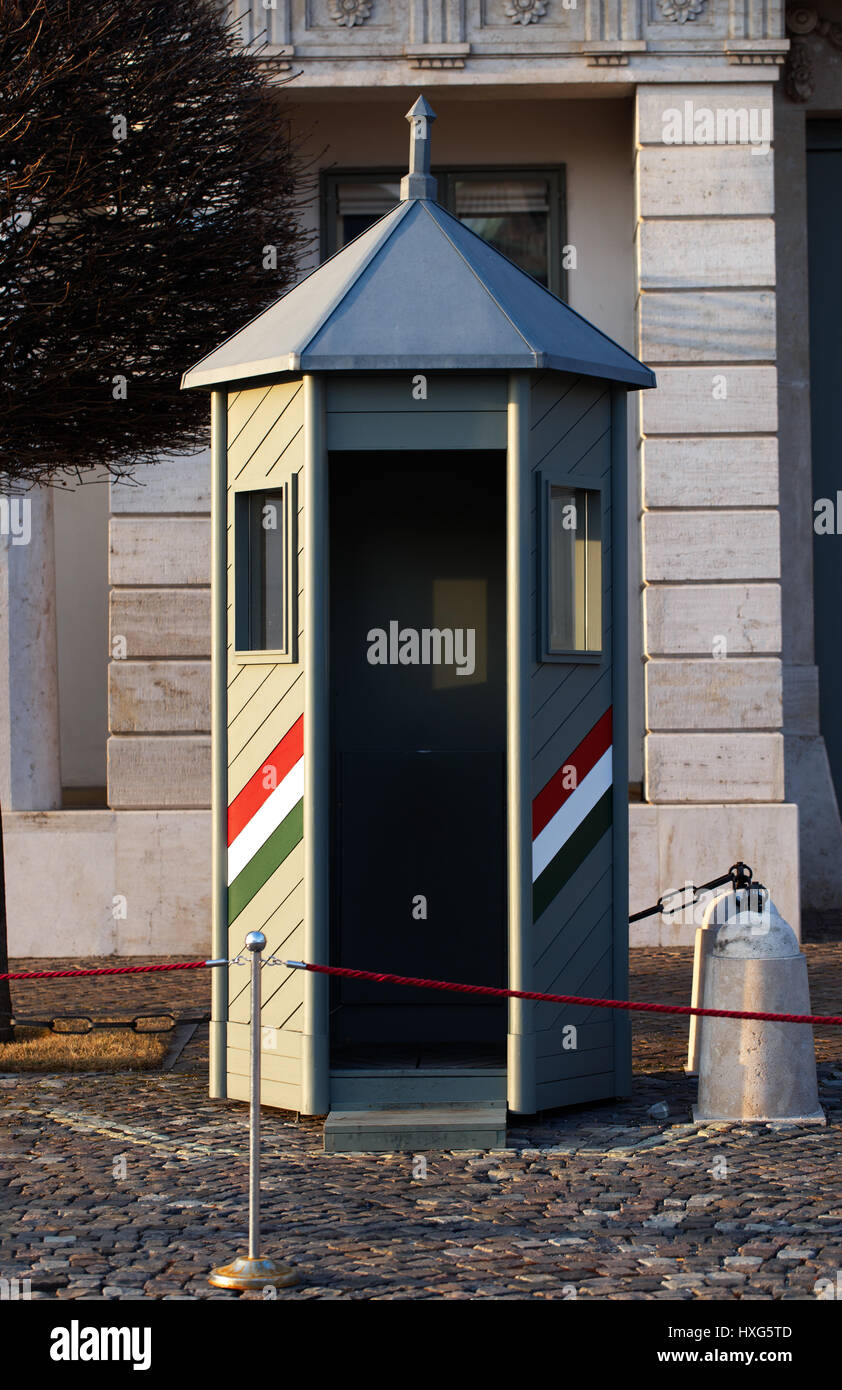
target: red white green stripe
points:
(570, 814)
(265, 820)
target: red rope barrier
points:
(560, 998)
(381, 978)
(113, 970)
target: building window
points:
(264, 613)
(571, 563)
(357, 204)
(520, 212)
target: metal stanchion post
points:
(252, 1271)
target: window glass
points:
(574, 608)
(510, 213)
(260, 545)
(359, 205)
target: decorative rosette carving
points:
(526, 11)
(681, 11)
(350, 12)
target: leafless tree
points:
(149, 188)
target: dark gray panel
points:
(579, 1091)
(587, 973)
(585, 446)
(824, 207)
(418, 753)
(587, 896)
(444, 429)
(568, 1089)
(578, 402)
(454, 391)
(571, 1066)
(555, 732)
(572, 940)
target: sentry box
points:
(419, 675)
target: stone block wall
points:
(159, 672)
(714, 764)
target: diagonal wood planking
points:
(265, 434)
(571, 937)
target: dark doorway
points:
(824, 210)
(418, 685)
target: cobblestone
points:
(128, 1186)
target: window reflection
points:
(512, 215)
(575, 570)
(511, 211)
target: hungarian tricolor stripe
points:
(266, 820)
(571, 814)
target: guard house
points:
(419, 665)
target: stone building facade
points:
(672, 142)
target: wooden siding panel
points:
(587, 894)
(577, 1090)
(433, 430)
(555, 418)
(454, 392)
(272, 714)
(277, 412)
(562, 718)
(281, 1095)
(578, 1064)
(246, 680)
(571, 938)
(287, 1044)
(264, 702)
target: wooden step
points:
(415, 1129)
(365, 1087)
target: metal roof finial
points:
(419, 183)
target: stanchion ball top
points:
(255, 941)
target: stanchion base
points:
(245, 1273)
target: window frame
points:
(546, 479)
(245, 567)
(448, 176)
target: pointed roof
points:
(417, 291)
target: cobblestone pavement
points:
(119, 1186)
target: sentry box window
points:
(571, 580)
(265, 554)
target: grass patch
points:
(103, 1049)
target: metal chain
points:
(739, 875)
(55, 1025)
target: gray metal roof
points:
(417, 291)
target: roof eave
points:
(635, 376)
(208, 377)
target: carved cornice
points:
(612, 53)
(437, 55)
(512, 39)
(757, 52)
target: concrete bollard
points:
(750, 1070)
(715, 913)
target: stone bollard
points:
(750, 1070)
(715, 913)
